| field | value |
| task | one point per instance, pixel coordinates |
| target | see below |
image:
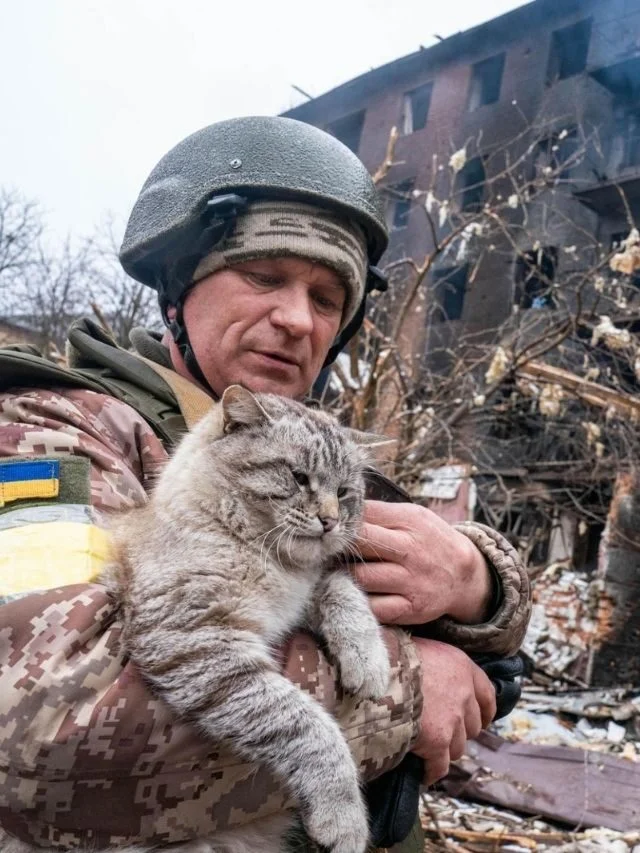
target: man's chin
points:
(273, 385)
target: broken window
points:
(587, 547)
(401, 196)
(486, 81)
(471, 185)
(569, 50)
(557, 154)
(449, 290)
(348, 130)
(535, 273)
(416, 108)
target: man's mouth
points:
(280, 357)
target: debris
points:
(584, 389)
(452, 824)
(578, 787)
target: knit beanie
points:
(276, 229)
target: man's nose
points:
(294, 311)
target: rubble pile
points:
(562, 771)
(456, 825)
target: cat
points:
(237, 547)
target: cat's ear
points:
(369, 439)
(241, 408)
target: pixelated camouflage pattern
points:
(87, 755)
(123, 449)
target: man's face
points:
(266, 324)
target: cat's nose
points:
(328, 522)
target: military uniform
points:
(87, 755)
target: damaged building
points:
(535, 115)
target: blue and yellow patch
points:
(29, 479)
(49, 534)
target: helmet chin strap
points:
(180, 335)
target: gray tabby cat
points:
(236, 548)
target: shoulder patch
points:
(29, 479)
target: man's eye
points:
(262, 278)
(327, 303)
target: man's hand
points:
(459, 701)
(419, 568)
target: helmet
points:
(251, 158)
(191, 199)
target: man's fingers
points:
(379, 577)
(458, 744)
(384, 513)
(380, 543)
(436, 767)
(485, 696)
(391, 609)
(473, 721)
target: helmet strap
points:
(375, 281)
(180, 335)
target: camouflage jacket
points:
(87, 754)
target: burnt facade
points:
(544, 79)
(554, 87)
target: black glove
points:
(393, 798)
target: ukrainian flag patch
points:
(29, 479)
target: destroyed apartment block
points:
(586, 573)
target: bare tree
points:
(20, 233)
(44, 286)
(120, 302)
(541, 407)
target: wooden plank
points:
(580, 788)
(590, 392)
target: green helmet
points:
(191, 199)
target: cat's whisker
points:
(263, 563)
(278, 541)
(282, 529)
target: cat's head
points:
(291, 472)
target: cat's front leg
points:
(353, 636)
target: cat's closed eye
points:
(342, 491)
(301, 478)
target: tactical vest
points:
(99, 364)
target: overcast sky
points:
(94, 92)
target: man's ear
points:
(369, 439)
(240, 408)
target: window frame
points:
(408, 108)
(479, 83)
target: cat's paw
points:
(365, 669)
(342, 828)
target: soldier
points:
(260, 236)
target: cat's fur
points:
(236, 548)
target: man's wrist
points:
(476, 595)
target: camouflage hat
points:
(288, 228)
